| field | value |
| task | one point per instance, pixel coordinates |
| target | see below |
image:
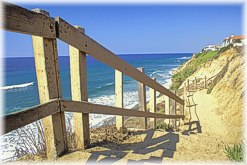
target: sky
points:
(127, 29)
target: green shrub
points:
(198, 54)
(222, 50)
(206, 56)
(191, 68)
(237, 41)
(235, 152)
(200, 58)
(163, 125)
(178, 78)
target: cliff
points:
(226, 70)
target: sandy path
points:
(207, 106)
(160, 146)
(209, 144)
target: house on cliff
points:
(235, 40)
(211, 48)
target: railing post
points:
(142, 98)
(167, 108)
(78, 75)
(119, 98)
(205, 82)
(153, 104)
(49, 87)
(196, 83)
(173, 112)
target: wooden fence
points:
(193, 85)
(45, 30)
(198, 84)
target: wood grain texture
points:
(119, 98)
(18, 19)
(49, 87)
(86, 107)
(21, 118)
(173, 111)
(167, 105)
(167, 108)
(153, 105)
(78, 76)
(73, 37)
(142, 98)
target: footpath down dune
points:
(209, 144)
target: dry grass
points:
(29, 141)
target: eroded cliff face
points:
(228, 89)
(229, 92)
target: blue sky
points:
(126, 29)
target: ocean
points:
(20, 86)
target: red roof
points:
(236, 37)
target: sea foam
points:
(107, 84)
(17, 86)
(184, 58)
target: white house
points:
(211, 48)
(236, 40)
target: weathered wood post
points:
(142, 97)
(78, 76)
(49, 87)
(153, 104)
(167, 108)
(173, 111)
(119, 98)
(196, 83)
(205, 82)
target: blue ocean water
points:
(20, 88)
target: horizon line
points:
(120, 54)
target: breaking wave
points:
(17, 86)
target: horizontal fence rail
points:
(86, 107)
(84, 43)
(28, 22)
(18, 19)
(21, 118)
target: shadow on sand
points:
(192, 122)
(114, 152)
(166, 143)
